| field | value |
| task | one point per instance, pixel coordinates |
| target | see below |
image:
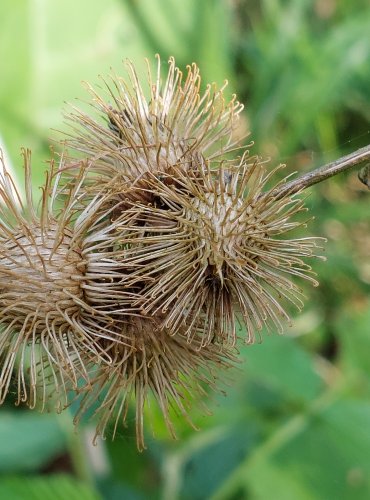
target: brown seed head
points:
(215, 252)
(54, 281)
(159, 129)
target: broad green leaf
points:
(114, 490)
(329, 459)
(57, 487)
(46, 50)
(353, 328)
(28, 440)
(282, 365)
(203, 470)
(323, 454)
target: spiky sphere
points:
(203, 237)
(159, 128)
(214, 253)
(54, 300)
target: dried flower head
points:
(213, 252)
(168, 126)
(149, 361)
(49, 300)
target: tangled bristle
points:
(148, 360)
(54, 282)
(37, 268)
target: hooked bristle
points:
(147, 361)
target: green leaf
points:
(46, 50)
(353, 331)
(281, 364)
(45, 488)
(28, 440)
(207, 467)
(321, 454)
(329, 459)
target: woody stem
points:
(322, 173)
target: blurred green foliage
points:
(296, 420)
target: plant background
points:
(296, 420)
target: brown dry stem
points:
(322, 173)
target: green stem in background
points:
(325, 172)
(79, 457)
(76, 449)
(151, 36)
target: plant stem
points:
(79, 457)
(322, 173)
(76, 449)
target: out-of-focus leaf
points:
(329, 459)
(209, 466)
(353, 328)
(45, 488)
(114, 490)
(160, 36)
(326, 455)
(291, 62)
(49, 48)
(28, 440)
(281, 364)
(211, 41)
(131, 467)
